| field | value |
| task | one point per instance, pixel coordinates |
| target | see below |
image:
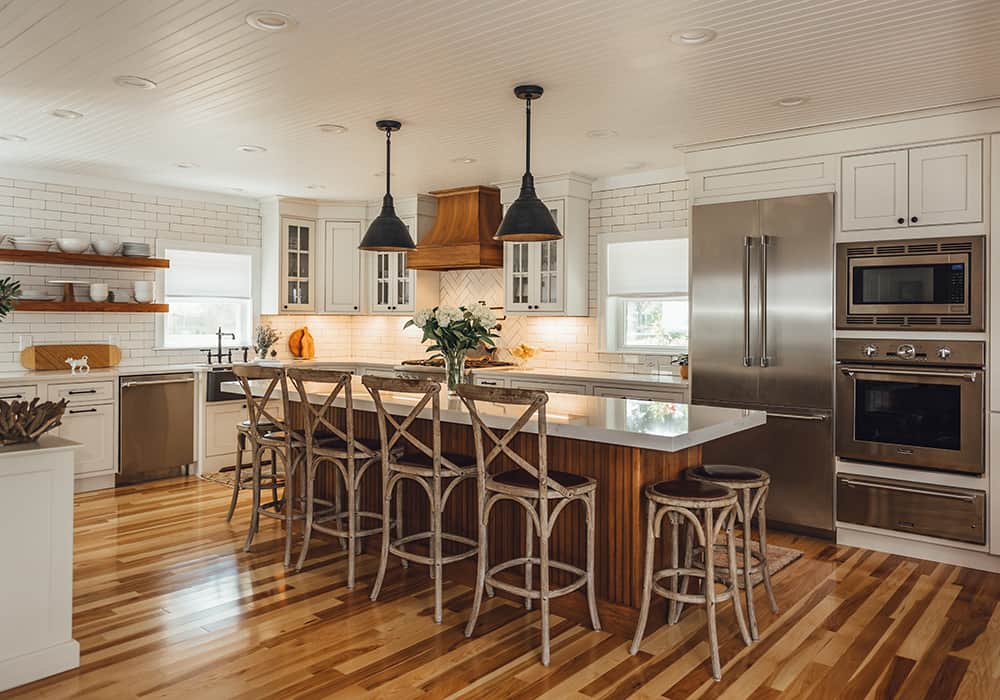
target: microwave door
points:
(926, 285)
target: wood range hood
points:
(462, 237)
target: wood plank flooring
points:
(167, 605)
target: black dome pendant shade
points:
(527, 218)
(386, 231)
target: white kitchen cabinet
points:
(919, 186)
(25, 392)
(490, 381)
(550, 278)
(342, 267)
(946, 184)
(551, 386)
(667, 394)
(392, 283)
(874, 191)
(297, 252)
(393, 288)
(94, 428)
(221, 419)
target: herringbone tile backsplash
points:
(570, 343)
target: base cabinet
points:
(94, 428)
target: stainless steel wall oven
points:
(912, 403)
(922, 283)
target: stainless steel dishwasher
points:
(157, 426)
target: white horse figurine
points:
(78, 366)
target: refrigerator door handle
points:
(747, 249)
(765, 359)
(797, 416)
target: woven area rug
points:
(222, 478)
(777, 559)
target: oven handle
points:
(747, 246)
(922, 492)
(851, 371)
(797, 416)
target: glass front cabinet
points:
(392, 282)
(534, 272)
(298, 265)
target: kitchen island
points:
(623, 444)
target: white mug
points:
(98, 292)
(142, 291)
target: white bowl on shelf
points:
(105, 246)
(72, 245)
(33, 244)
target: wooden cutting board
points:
(51, 357)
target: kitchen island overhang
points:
(624, 444)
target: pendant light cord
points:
(388, 134)
(527, 142)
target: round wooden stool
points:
(706, 509)
(751, 486)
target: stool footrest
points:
(535, 593)
(394, 548)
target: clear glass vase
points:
(454, 369)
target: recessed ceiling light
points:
(12, 137)
(464, 160)
(66, 114)
(315, 187)
(135, 81)
(633, 165)
(332, 128)
(692, 37)
(186, 164)
(270, 20)
(791, 101)
(601, 133)
(250, 148)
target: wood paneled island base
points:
(621, 472)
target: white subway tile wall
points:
(46, 210)
(570, 343)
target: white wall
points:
(130, 212)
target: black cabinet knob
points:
(913, 219)
(900, 220)
(355, 308)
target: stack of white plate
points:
(33, 295)
(35, 244)
(135, 249)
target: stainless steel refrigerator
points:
(762, 338)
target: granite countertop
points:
(654, 425)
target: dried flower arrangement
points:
(24, 421)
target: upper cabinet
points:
(342, 267)
(920, 186)
(550, 278)
(394, 288)
(298, 265)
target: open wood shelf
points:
(89, 306)
(93, 260)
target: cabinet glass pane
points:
(303, 238)
(293, 293)
(293, 264)
(293, 237)
(303, 292)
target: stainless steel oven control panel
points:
(958, 353)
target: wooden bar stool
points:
(543, 493)
(335, 447)
(751, 486)
(437, 474)
(271, 432)
(244, 439)
(706, 509)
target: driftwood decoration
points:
(23, 421)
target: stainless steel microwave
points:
(913, 284)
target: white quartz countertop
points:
(13, 376)
(46, 443)
(588, 375)
(655, 425)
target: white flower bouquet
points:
(453, 332)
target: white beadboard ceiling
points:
(445, 68)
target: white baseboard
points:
(883, 541)
(94, 483)
(39, 664)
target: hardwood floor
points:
(167, 605)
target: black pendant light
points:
(527, 218)
(387, 232)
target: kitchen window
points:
(644, 291)
(207, 287)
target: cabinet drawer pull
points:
(486, 382)
(83, 410)
(11, 396)
(74, 392)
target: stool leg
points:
(274, 479)
(528, 542)
(338, 505)
(291, 461)
(482, 563)
(688, 560)
(748, 563)
(255, 489)
(384, 556)
(436, 549)
(543, 557)
(734, 576)
(647, 580)
(238, 469)
(713, 632)
(675, 525)
(399, 520)
(310, 477)
(591, 503)
(765, 574)
(352, 522)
